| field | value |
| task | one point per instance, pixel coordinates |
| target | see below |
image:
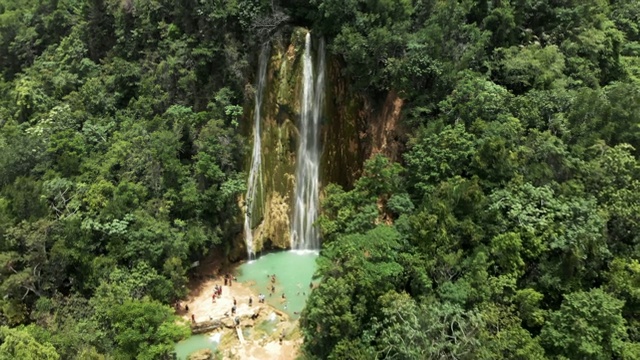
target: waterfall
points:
(254, 185)
(304, 235)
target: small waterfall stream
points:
(254, 185)
(304, 235)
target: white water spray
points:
(254, 185)
(304, 235)
(215, 337)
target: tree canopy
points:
(507, 228)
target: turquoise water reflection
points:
(293, 271)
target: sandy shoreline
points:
(203, 307)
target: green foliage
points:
(144, 330)
(19, 344)
(68, 324)
(587, 325)
(503, 337)
(120, 163)
(517, 214)
(359, 268)
(412, 331)
(532, 67)
(510, 230)
(367, 33)
(378, 196)
(438, 153)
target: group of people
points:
(217, 292)
(228, 280)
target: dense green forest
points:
(509, 228)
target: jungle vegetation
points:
(508, 229)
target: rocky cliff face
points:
(353, 128)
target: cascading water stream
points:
(304, 235)
(254, 185)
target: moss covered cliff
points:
(281, 111)
(353, 128)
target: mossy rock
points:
(272, 208)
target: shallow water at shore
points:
(197, 342)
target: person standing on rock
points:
(250, 301)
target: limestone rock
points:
(204, 354)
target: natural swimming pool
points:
(294, 271)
